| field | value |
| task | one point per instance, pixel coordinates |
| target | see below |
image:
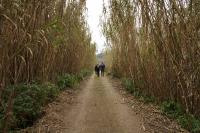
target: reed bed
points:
(40, 40)
(157, 44)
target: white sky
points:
(95, 10)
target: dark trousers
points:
(97, 73)
(102, 73)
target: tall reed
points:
(41, 39)
(157, 44)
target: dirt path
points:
(101, 105)
(100, 109)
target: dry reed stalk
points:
(158, 42)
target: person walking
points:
(97, 70)
(102, 68)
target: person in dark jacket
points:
(102, 68)
(97, 69)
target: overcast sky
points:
(95, 8)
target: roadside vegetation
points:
(30, 98)
(169, 108)
(155, 46)
(45, 47)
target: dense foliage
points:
(39, 40)
(27, 103)
(156, 44)
(30, 98)
(43, 39)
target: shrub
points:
(70, 80)
(171, 108)
(67, 80)
(149, 99)
(86, 72)
(130, 87)
(189, 122)
(51, 91)
(128, 84)
(83, 73)
(79, 77)
(28, 102)
(30, 98)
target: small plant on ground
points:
(171, 108)
(67, 80)
(175, 111)
(128, 84)
(148, 99)
(189, 122)
(83, 73)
